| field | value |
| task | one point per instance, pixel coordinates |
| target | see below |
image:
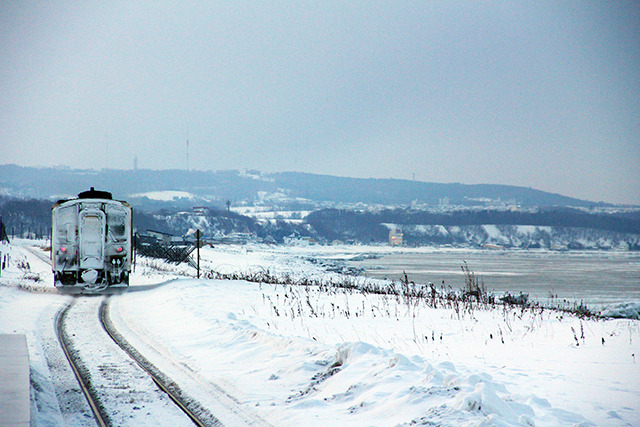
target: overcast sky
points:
(538, 94)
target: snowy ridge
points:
(627, 310)
(520, 236)
(164, 196)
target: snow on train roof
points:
(95, 194)
(91, 194)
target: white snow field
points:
(302, 355)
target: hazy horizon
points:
(543, 95)
(263, 173)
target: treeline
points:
(367, 226)
(26, 217)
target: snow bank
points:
(297, 356)
(627, 310)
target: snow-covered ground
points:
(309, 356)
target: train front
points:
(91, 243)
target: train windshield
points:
(117, 223)
(67, 223)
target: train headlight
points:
(63, 250)
(119, 249)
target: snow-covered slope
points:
(520, 236)
(164, 196)
(299, 356)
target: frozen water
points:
(597, 278)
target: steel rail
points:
(101, 419)
(39, 254)
(151, 370)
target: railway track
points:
(38, 253)
(98, 412)
(119, 384)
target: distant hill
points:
(216, 187)
(398, 192)
(572, 228)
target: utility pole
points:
(135, 250)
(106, 150)
(198, 250)
(187, 149)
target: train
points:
(91, 243)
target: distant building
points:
(200, 210)
(238, 238)
(296, 240)
(164, 237)
(395, 236)
(491, 246)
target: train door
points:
(91, 239)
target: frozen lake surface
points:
(597, 278)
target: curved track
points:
(191, 408)
(103, 401)
(92, 400)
